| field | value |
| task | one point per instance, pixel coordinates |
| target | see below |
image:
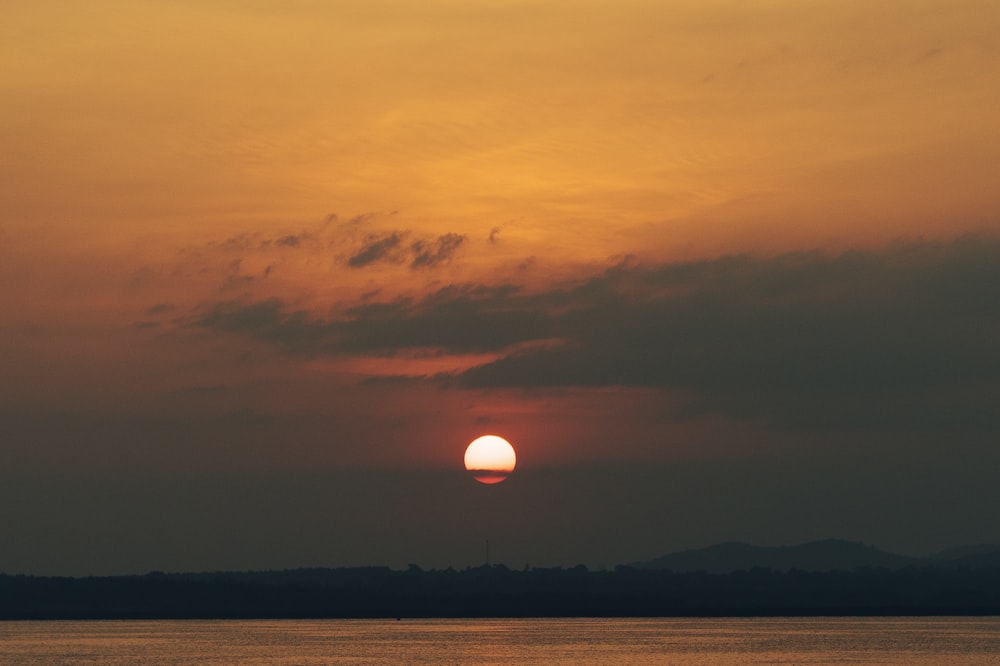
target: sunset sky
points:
(719, 270)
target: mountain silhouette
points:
(825, 555)
(972, 557)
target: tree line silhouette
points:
(497, 591)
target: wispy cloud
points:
(428, 254)
(292, 240)
(421, 253)
(377, 247)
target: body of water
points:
(683, 642)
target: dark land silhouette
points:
(959, 582)
(825, 555)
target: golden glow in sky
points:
(310, 236)
(664, 128)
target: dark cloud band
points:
(901, 335)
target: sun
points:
(490, 459)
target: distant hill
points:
(972, 557)
(825, 555)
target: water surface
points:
(682, 642)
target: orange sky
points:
(665, 127)
(171, 169)
(141, 138)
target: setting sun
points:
(490, 459)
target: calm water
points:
(684, 642)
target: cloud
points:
(292, 240)
(424, 253)
(271, 322)
(457, 319)
(161, 308)
(377, 247)
(904, 335)
(428, 254)
(360, 242)
(235, 278)
(255, 242)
